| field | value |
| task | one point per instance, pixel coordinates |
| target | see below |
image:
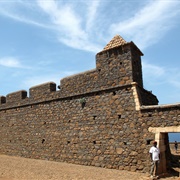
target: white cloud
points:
(152, 70)
(148, 25)
(69, 24)
(11, 10)
(10, 62)
(173, 77)
(63, 16)
(87, 25)
(40, 79)
(92, 14)
(156, 75)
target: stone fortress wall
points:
(102, 117)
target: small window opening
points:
(150, 115)
(114, 93)
(83, 104)
(148, 141)
(94, 117)
(119, 116)
(68, 142)
(108, 54)
(121, 63)
(94, 142)
(125, 143)
(43, 140)
(99, 70)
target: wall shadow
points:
(174, 169)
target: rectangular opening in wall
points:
(148, 141)
(174, 142)
(125, 143)
(43, 140)
(119, 116)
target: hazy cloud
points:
(77, 23)
(148, 25)
(10, 62)
(161, 75)
(39, 79)
(152, 70)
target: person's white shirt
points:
(155, 153)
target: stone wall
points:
(97, 117)
(62, 130)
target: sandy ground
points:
(18, 168)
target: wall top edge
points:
(162, 106)
(56, 95)
(81, 73)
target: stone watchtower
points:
(119, 62)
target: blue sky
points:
(46, 40)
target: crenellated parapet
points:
(16, 96)
(40, 91)
(80, 83)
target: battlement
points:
(16, 96)
(39, 91)
(118, 64)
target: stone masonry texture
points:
(94, 118)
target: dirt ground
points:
(18, 168)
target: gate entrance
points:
(161, 136)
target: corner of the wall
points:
(136, 96)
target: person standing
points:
(155, 157)
(176, 146)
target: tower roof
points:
(116, 41)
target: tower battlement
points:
(118, 64)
